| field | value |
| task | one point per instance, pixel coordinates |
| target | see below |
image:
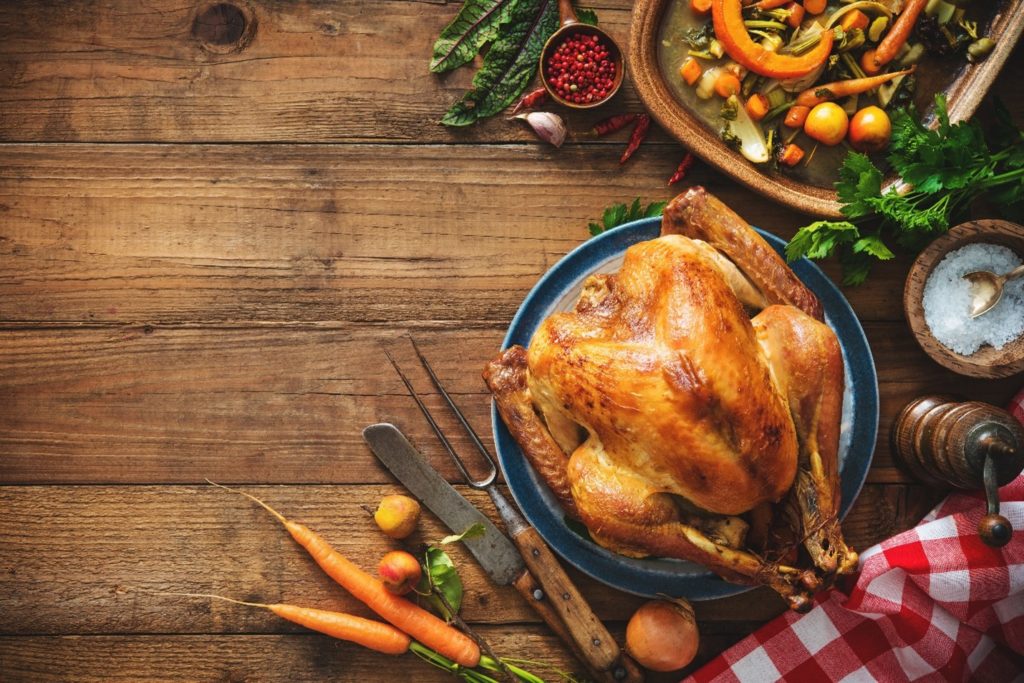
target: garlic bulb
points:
(548, 127)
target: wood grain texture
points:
(77, 560)
(231, 234)
(277, 404)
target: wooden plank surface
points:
(98, 554)
(143, 404)
(214, 305)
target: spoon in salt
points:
(987, 288)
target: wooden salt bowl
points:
(986, 362)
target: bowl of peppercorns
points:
(580, 65)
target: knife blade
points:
(497, 555)
(570, 618)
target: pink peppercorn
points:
(580, 69)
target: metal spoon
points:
(987, 288)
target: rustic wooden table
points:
(207, 233)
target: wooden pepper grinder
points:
(968, 445)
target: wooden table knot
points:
(224, 27)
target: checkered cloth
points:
(931, 604)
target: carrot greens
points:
(944, 171)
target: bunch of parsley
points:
(944, 171)
(619, 214)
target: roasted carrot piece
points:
(690, 70)
(815, 6)
(854, 19)
(791, 155)
(727, 84)
(868, 63)
(701, 7)
(410, 618)
(796, 116)
(757, 106)
(770, 4)
(897, 35)
(796, 14)
(828, 92)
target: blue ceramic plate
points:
(558, 290)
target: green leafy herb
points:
(440, 576)
(943, 171)
(476, 24)
(587, 16)
(509, 64)
(472, 531)
(617, 214)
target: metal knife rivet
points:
(536, 552)
(538, 594)
(596, 642)
(565, 596)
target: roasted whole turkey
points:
(689, 406)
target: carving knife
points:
(528, 565)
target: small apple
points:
(397, 515)
(399, 572)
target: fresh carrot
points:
(370, 634)
(868, 63)
(727, 84)
(814, 6)
(796, 116)
(757, 106)
(682, 169)
(690, 70)
(854, 19)
(828, 92)
(414, 620)
(701, 7)
(796, 14)
(791, 155)
(898, 33)
(643, 124)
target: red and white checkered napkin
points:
(933, 603)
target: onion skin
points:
(662, 635)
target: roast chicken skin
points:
(671, 423)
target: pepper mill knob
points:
(969, 445)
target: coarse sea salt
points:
(947, 300)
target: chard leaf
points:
(439, 575)
(476, 24)
(509, 64)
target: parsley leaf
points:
(943, 171)
(617, 214)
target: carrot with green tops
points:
(897, 34)
(370, 634)
(828, 92)
(414, 620)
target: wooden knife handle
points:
(577, 623)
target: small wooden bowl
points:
(986, 362)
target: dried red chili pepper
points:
(643, 124)
(613, 123)
(531, 100)
(682, 169)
